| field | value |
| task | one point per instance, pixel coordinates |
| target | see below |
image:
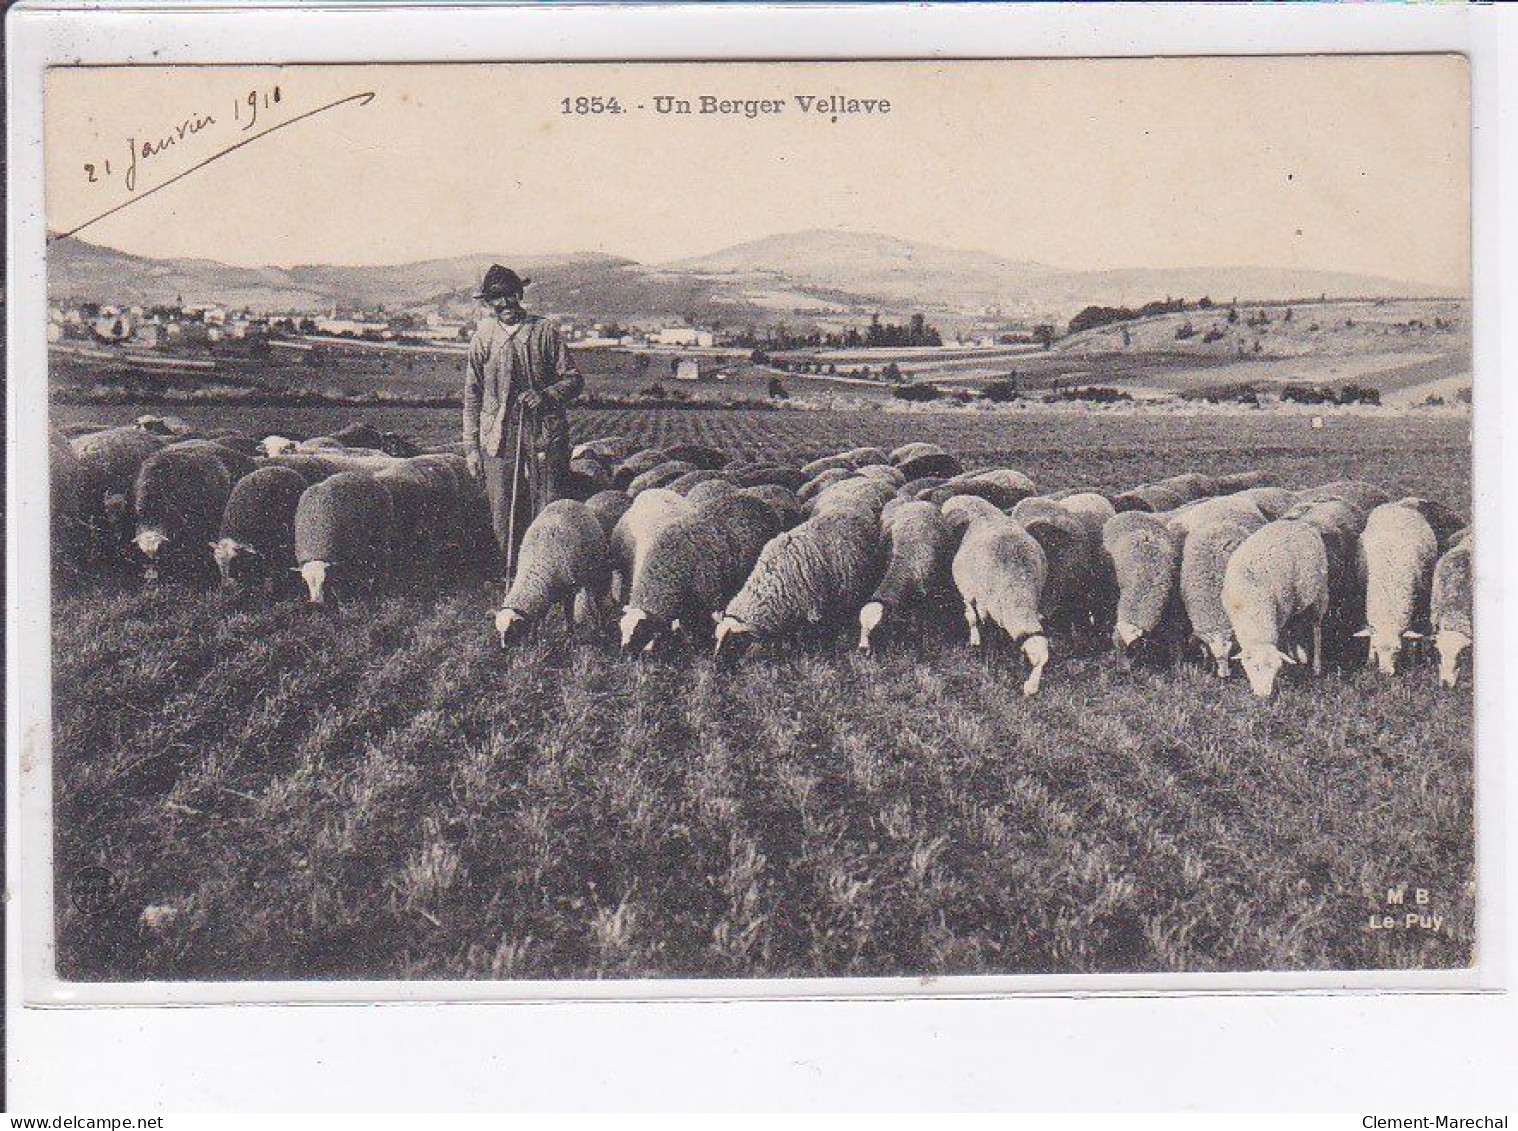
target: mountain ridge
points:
(814, 276)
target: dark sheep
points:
(178, 498)
(608, 506)
(343, 533)
(940, 463)
(659, 476)
(636, 464)
(791, 478)
(684, 484)
(258, 527)
(693, 567)
(703, 457)
(359, 434)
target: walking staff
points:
(519, 380)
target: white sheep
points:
(1145, 558)
(650, 512)
(1395, 565)
(693, 566)
(1204, 561)
(1450, 607)
(809, 575)
(999, 571)
(563, 556)
(1275, 586)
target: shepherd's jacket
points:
(506, 358)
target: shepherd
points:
(517, 385)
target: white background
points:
(1392, 1053)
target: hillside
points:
(803, 279)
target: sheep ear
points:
(1285, 659)
(1300, 653)
(1363, 632)
(717, 617)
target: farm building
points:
(695, 369)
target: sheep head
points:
(1450, 645)
(233, 558)
(733, 638)
(315, 576)
(869, 620)
(1261, 664)
(640, 631)
(511, 625)
(1385, 647)
(1036, 650)
(1219, 647)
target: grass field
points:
(377, 791)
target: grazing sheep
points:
(1395, 565)
(563, 556)
(1037, 506)
(236, 463)
(703, 457)
(1273, 502)
(823, 480)
(310, 466)
(1236, 481)
(650, 511)
(661, 475)
(585, 478)
(883, 472)
(871, 494)
(1092, 509)
(69, 505)
(908, 452)
(636, 464)
(708, 489)
(237, 441)
(791, 478)
(860, 458)
(787, 507)
(109, 460)
(684, 484)
(608, 506)
(359, 434)
(1446, 523)
(424, 509)
(1339, 523)
(837, 462)
(960, 511)
(1000, 570)
(918, 488)
(1144, 555)
(1275, 586)
(1362, 496)
(808, 576)
(343, 533)
(1189, 485)
(919, 545)
(993, 492)
(179, 497)
(1204, 559)
(1071, 595)
(257, 538)
(1450, 608)
(693, 567)
(928, 463)
(1150, 498)
(610, 449)
(1214, 509)
(1012, 481)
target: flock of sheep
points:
(691, 545)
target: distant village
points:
(163, 326)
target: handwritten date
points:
(246, 109)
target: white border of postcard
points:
(39, 38)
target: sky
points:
(1348, 163)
